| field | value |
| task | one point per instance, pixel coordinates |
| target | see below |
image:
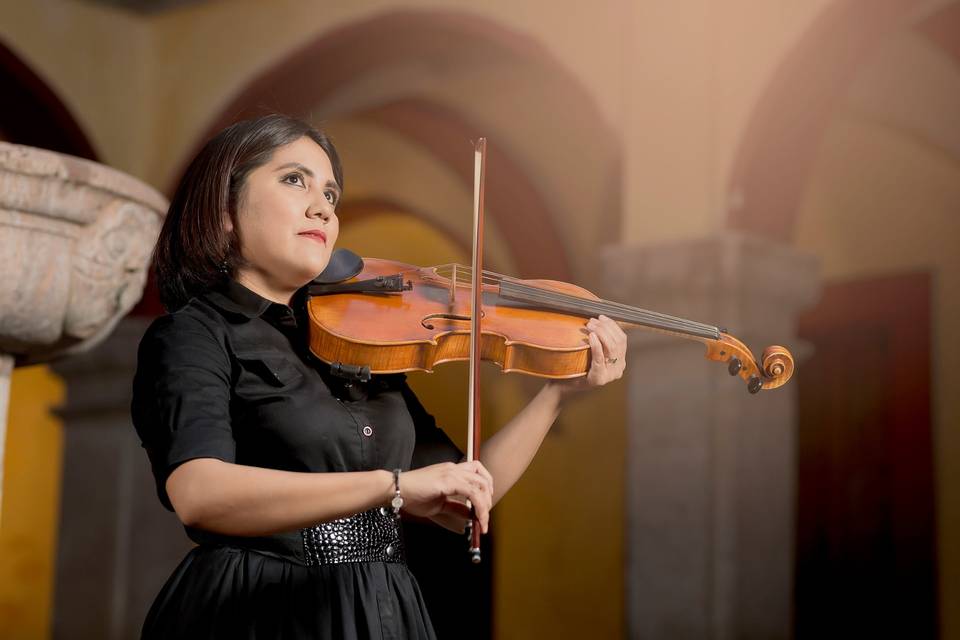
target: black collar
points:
(233, 297)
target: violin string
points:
(627, 313)
(639, 316)
(586, 305)
(627, 310)
(436, 273)
(613, 308)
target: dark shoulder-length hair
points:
(194, 253)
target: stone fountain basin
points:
(75, 244)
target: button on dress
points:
(228, 376)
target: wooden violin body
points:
(393, 317)
(429, 324)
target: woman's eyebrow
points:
(331, 184)
(295, 165)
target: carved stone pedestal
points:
(710, 468)
(75, 240)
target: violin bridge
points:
(453, 286)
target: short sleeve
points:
(181, 397)
(433, 445)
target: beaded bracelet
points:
(397, 501)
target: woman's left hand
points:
(608, 355)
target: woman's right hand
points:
(440, 490)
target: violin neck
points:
(575, 305)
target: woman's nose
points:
(323, 211)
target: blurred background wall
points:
(787, 169)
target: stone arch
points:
(32, 114)
(446, 39)
(777, 150)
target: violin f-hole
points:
(456, 317)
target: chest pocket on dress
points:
(274, 370)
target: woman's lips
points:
(319, 236)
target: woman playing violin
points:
(284, 474)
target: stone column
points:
(710, 467)
(117, 544)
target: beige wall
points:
(692, 73)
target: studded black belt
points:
(370, 536)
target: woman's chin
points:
(310, 272)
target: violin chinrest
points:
(343, 265)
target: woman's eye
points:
(294, 178)
(331, 197)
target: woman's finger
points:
(597, 357)
(616, 332)
(476, 473)
(483, 472)
(479, 499)
(482, 501)
(611, 346)
(456, 508)
(474, 488)
(476, 479)
(615, 345)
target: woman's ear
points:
(227, 223)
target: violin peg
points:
(735, 365)
(754, 384)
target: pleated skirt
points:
(241, 594)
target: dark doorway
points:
(866, 543)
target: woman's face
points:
(287, 220)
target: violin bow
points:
(476, 311)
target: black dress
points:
(228, 377)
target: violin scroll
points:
(774, 369)
(777, 365)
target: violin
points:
(391, 317)
(373, 315)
